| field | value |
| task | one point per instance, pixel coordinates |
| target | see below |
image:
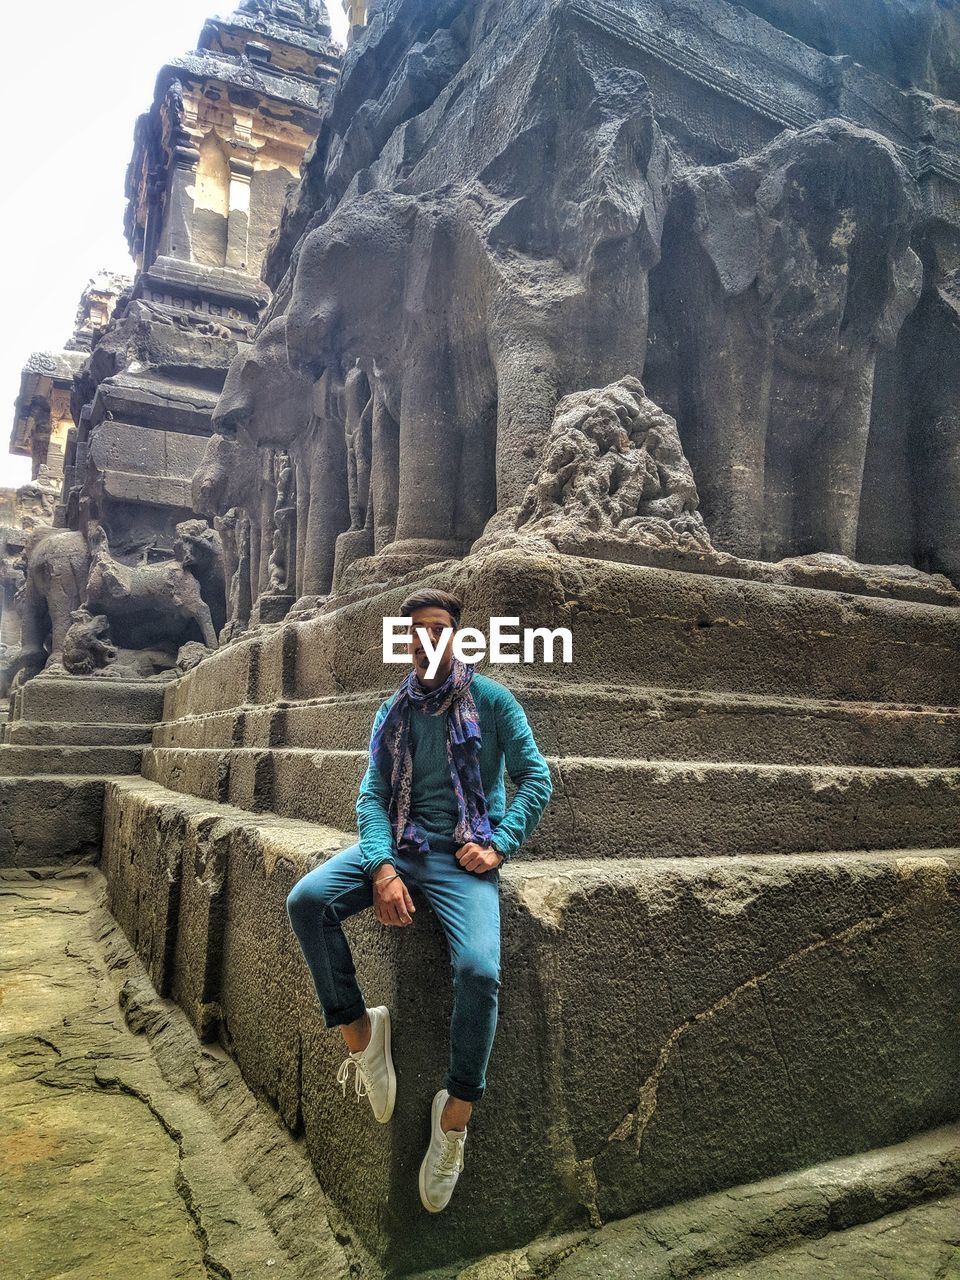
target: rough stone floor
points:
(127, 1150)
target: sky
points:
(76, 77)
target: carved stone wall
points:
(508, 204)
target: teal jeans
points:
(468, 907)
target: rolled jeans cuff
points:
(342, 1018)
(465, 1092)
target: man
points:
(432, 814)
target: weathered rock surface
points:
(762, 835)
(126, 1148)
(513, 213)
(67, 735)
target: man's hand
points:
(473, 857)
(392, 903)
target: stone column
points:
(238, 221)
(175, 242)
(328, 513)
(385, 472)
(429, 436)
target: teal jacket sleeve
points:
(527, 769)
(373, 801)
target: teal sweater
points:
(506, 740)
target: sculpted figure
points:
(145, 602)
(358, 425)
(199, 548)
(283, 525)
(265, 405)
(234, 531)
(614, 466)
(785, 273)
(55, 563)
(520, 278)
(88, 646)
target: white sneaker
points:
(374, 1074)
(441, 1166)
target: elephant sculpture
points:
(783, 276)
(478, 303)
(55, 563)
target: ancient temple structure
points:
(43, 430)
(638, 319)
(121, 418)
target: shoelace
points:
(451, 1157)
(359, 1077)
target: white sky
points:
(76, 76)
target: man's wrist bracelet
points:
(387, 879)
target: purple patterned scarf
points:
(391, 753)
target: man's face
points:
(433, 620)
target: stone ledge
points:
(651, 723)
(18, 760)
(652, 627)
(727, 1051)
(608, 807)
(747, 1223)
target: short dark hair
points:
(430, 598)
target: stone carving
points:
(283, 525)
(614, 484)
(358, 424)
(312, 13)
(199, 549)
(913, 42)
(520, 280)
(613, 466)
(234, 531)
(87, 646)
(784, 274)
(37, 500)
(55, 564)
(446, 275)
(146, 602)
(910, 511)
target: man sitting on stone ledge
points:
(432, 813)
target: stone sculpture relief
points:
(784, 275)
(452, 285)
(614, 469)
(149, 602)
(428, 359)
(55, 564)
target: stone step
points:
(50, 820)
(30, 733)
(89, 700)
(819, 1210)
(633, 625)
(763, 1014)
(628, 723)
(605, 807)
(101, 762)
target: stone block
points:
(116, 447)
(59, 733)
(49, 820)
(650, 724)
(718, 1049)
(654, 627)
(90, 701)
(99, 761)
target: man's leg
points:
(316, 905)
(468, 907)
